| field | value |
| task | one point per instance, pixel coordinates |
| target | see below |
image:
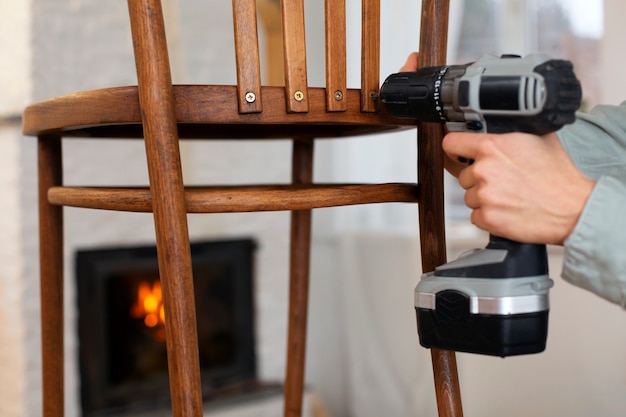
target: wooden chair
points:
(161, 114)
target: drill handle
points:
(523, 259)
(502, 258)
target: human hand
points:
(412, 63)
(520, 186)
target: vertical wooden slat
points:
(370, 55)
(294, 46)
(166, 186)
(302, 173)
(247, 56)
(335, 12)
(51, 276)
(433, 38)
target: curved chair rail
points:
(235, 199)
(205, 112)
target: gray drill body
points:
(534, 94)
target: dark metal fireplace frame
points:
(100, 272)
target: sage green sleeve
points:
(595, 252)
(596, 142)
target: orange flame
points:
(149, 304)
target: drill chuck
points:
(415, 95)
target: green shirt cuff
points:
(595, 252)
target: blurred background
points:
(363, 353)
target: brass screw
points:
(374, 95)
(338, 95)
(298, 95)
(250, 97)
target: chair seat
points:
(205, 112)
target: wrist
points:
(578, 197)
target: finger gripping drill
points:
(494, 300)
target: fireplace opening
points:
(123, 360)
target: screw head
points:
(374, 95)
(298, 95)
(250, 97)
(338, 95)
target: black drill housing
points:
(504, 103)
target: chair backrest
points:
(220, 111)
(295, 57)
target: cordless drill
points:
(495, 300)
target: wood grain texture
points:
(247, 56)
(335, 27)
(299, 266)
(370, 55)
(156, 100)
(433, 41)
(294, 51)
(51, 276)
(238, 199)
(204, 112)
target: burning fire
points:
(149, 304)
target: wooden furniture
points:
(161, 114)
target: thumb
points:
(411, 63)
(461, 146)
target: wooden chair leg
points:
(433, 39)
(51, 276)
(299, 284)
(156, 99)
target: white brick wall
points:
(14, 93)
(12, 352)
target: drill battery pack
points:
(491, 301)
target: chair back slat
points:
(247, 56)
(370, 55)
(294, 46)
(335, 15)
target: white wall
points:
(13, 351)
(15, 90)
(613, 56)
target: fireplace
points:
(123, 363)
